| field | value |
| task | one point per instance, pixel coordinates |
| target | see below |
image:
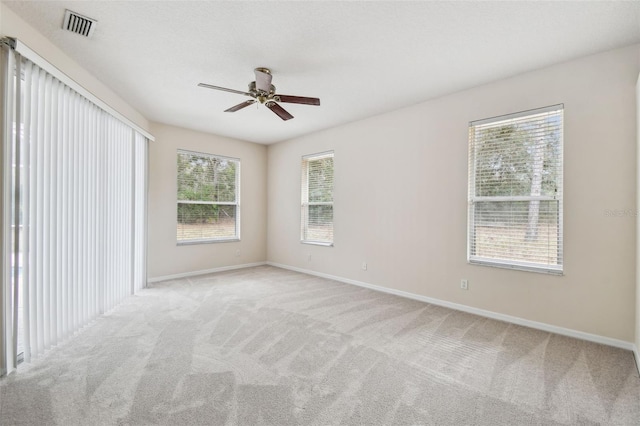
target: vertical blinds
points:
(515, 190)
(78, 185)
(317, 198)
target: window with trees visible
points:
(317, 199)
(515, 190)
(208, 198)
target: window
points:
(515, 190)
(317, 199)
(208, 194)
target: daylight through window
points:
(515, 190)
(208, 194)
(317, 199)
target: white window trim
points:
(236, 237)
(511, 264)
(304, 194)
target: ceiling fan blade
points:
(224, 89)
(278, 110)
(263, 79)
(240, 106)
(298, 100)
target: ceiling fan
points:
(264, 92)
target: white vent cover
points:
(78, 24)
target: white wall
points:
(165, 258)
(401, 198)
(11, 25)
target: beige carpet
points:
(270, 346)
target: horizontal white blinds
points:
(515, 190)
(317, 198)
(208, 197)
(80, 183)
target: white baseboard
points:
(203, 272)
(636, 355)
(481, 312)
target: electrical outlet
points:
(364, 266)
(464, 284)
(238, 253)
(309, 258)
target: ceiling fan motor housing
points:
(257, 93)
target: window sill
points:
(317, 243)
(208, 241)
(518, 266)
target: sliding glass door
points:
(74, 204)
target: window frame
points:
(558, 196)
(305, 204)
(212, 240)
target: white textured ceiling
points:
(359, 58)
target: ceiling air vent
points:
(78, 24)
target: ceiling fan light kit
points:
(262, 91)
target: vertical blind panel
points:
(140, 199)
(515, 189)
(82, 204)
(208, 206)
(7, 357)
(317, 198)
